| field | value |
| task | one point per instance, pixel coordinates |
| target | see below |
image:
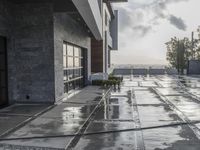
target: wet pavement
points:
(159, 110)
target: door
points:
(3, 73)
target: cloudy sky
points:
(145, 25)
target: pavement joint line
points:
(184, 88)
(85, 125)
(20, 115)
(107, 131)
(192, 95)
(137, 118)
(7, 132)
(161, 104)
(113, 120)
(157, 83)
(180, 114)
(19, 147)
(93, 103)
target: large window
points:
(72, 67)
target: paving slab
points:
(8, 122)
(122, 101)
(148, 84)
(64, 118)
(48, 127)
(194, 91)
(36, 144)
(130, 84)
(157, 115)
(44, 127)
(172, 138)
(131, 106)
(168, 84)
(187, 105)
(24, 109)
(113, 141)
(114, 112)
(171, 91)
(69, 111)
(89, 95)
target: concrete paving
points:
(64, 118)
(157, 104)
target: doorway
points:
(3, 73)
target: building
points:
(101, 49)
(45, 47)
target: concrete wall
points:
(194, 67)
(31, 60)
(35, 35)
(5, 18)
(29, 32)
(69, 30)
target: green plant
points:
(97, 82)
(112, 81)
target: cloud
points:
(142, 30)
(177, 22)
(142, 15)
(125, 19)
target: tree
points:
(177, 53)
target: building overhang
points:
(91, 14)
(109, 5)
(89, 10)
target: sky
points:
(146, 25)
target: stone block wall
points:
(28, 28)
(35, 34)
(67, 29)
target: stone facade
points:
(66, 29)
(35, 35)
(30, 50)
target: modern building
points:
(101, 49)
(45, 46)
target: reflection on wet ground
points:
(146, 107)
(141, 102)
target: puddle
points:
(114, 112)
(173, 138)
(131, 83)
(187, 105)
(148, 84)
(171, 91)
(120, 140)
(168, 84)
(156, 115)
(194, 91)
(70, 111)
(147, 97)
